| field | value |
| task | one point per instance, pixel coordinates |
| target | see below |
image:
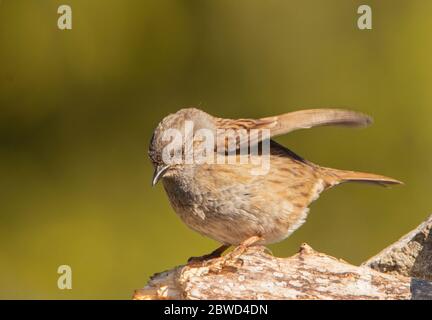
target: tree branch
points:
(401, 271)
(410, 256)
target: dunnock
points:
(228, 203)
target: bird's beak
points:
(159, 171)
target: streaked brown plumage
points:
(227, 203)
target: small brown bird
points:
(230, 204)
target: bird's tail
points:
(334, 177)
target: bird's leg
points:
(214, 254)
(240, 249)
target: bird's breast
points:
(229, 205)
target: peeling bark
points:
(401, 271)
(410, 256)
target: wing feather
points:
(288, 122)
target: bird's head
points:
(168, 145)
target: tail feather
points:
(340, 176)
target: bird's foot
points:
(232, 260)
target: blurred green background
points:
(77, 109)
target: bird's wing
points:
(285, 123)
(303, 119)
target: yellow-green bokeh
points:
(77, 109)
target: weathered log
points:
(410, 256)
(401, 271)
